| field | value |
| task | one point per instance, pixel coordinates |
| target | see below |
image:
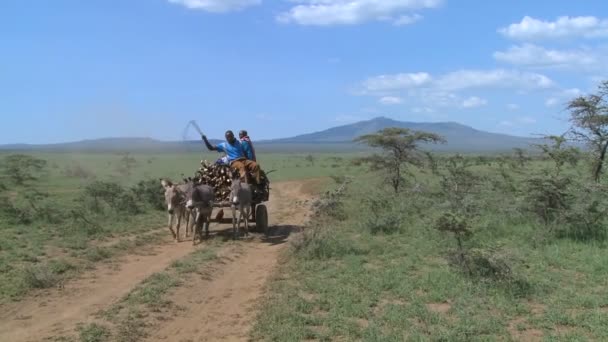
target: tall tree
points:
(589, 117)
(400, 149)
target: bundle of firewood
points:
(218, 176)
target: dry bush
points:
(76, 170)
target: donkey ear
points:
(165, 183)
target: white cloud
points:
(445, 90)
(537, 56)
(457, 80)
(390, 100)
(407, 20)
(572, 92)
(498, 78)
(563, 96)
(526, 120)
(513, 106)
(551, 102)
(350, 12)
(563, 27)
(217, 6)
(396, 82)
(473, 102)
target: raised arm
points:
(209, 146)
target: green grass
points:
(26, 248)
(345, 281)
(94, 333)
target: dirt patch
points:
(362, 323)
(537, 308)
(383, 303)
(520, 331)
(564, 329)
(440, 308)
(217, 306)
(309, 297)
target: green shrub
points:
(94, 333)
(40, 277)
(100, 196)
(587, 217)
(383, 217)
(15, 214)
(150, 192)
(318, 242)
(494, 267)
(97, 254)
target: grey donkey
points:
(241, 198)
(200, 203)
(175, 198)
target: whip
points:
(191, 123)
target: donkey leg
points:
(238, 222)
(192, 219)
(246, 216)
(179, 222)
(207, 223)
(234, 226)
(170, 225)
(187, 216)
(195, 227)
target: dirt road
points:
(220, 307)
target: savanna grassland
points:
(61, 213)
(500, 247)
(467, 248)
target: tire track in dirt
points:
(56, 311)
(224, 307)
(216, 309)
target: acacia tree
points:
(22, 168)
(589, 116)
(520, 156)
(400, 149)
(126, 164)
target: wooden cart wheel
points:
(261, 218)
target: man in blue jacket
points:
(247, 145)
(236, 156)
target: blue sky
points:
(73, 69)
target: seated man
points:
(236, 156)
(247, 145)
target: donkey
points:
(175, 197)
(200, 202)
(241, 197)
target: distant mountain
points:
(459, 138)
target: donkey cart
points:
(259, 212)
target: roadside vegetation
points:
(60, 213)
(458, 248)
